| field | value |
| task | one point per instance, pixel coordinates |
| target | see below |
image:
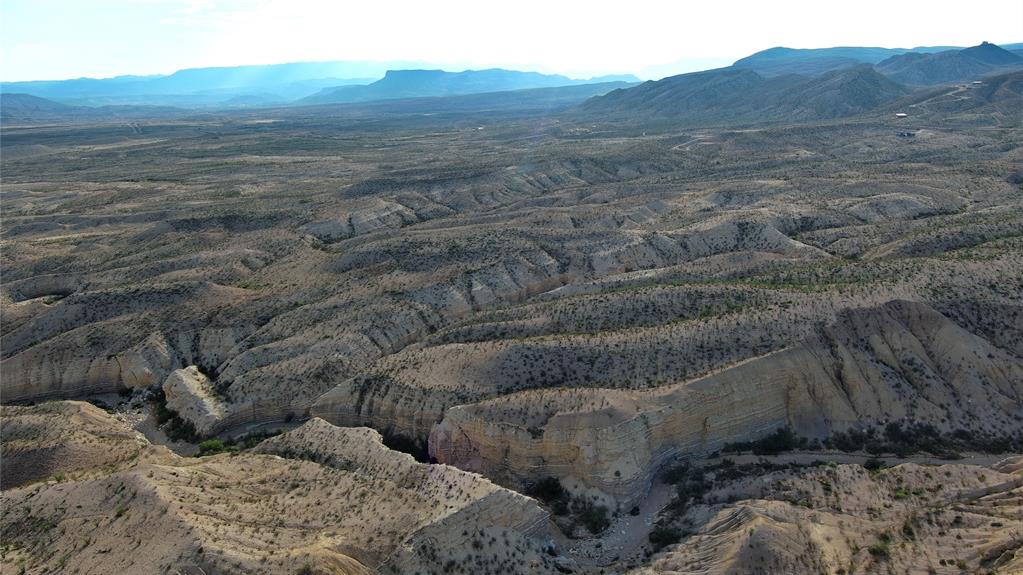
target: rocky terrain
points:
(901, 361)
(326, 499)
(549, 309)
(847, 519)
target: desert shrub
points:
(178, 429)
(873, 464)
(417, 448)
(662, 536)
(213, 447)
(550, 491)
(593, 517)
(903, 439)
(174, 427)
(250, 440)
(879, 550)
(547, 489)
(676, 473)
(782, 440)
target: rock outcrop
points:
(899, 360)
(829, 519)
(107, 340)
(191, 396)
(320, 499)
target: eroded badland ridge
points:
(673, 329)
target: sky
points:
(59, 39)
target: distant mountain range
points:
(399, 84)
(194, 87)
(830, 83)
(737, 94)
(775, 84)
(24, 108)
(779, 61)
(280, 84)
(526, 101)
(923, 66)
(949, 66)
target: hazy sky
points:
(56, 39)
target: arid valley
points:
(736, 321)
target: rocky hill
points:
(739, 95)
(898, 362)
(949, 66)
(780, 61)
(67, 440)
(16, 108)
(319, 498)
(844, 518)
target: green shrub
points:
(548, 489)
(594, 517)
(873, 464)
(780, 441)
(214, 446)
(663, 536)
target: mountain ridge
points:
(781, 60)
(920, 69)
(399, 84)
(737, 94)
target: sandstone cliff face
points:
(460, 499)
(898, 360)
(72, 366)
(190, 394)
(385, 403)
(105, 340)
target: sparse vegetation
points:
(781, 440)
(526, 295)
(577, 509)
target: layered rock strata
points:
(899, 360)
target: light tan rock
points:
(907, 519)
(319, 498)
(899, 360)
(191, 396)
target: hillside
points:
(949, 66)
(749, 519)
(332, 500)
(400, 84)
(837, 94)
(895, 362)
(25, 108)
(16, 106)
(997, 96)
(809, 62)
(738, 95)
